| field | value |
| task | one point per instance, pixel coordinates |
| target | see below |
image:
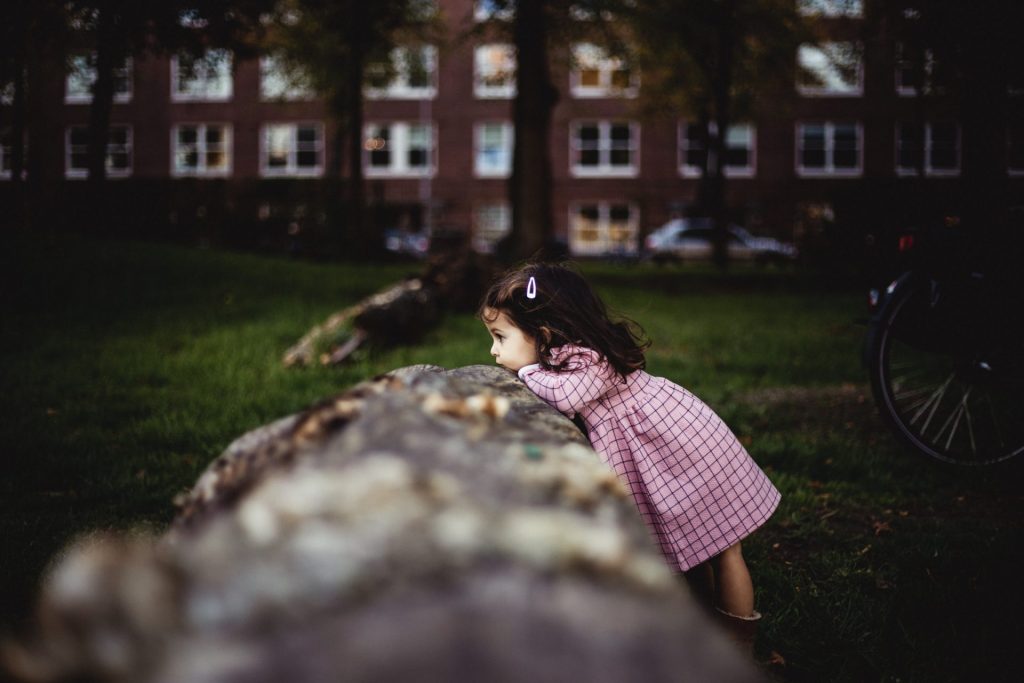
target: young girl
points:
(695, 485)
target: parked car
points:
(414, 244)
(690, 238)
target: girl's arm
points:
(584, 380)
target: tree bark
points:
(715, 175)
(530, 183)
(361, 243)
(429, 524)
(102, 95)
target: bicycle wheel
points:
(951, 395)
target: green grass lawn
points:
(127, 367)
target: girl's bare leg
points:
(735, 590)
(701, 581)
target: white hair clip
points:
(531, 288)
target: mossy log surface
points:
(426, 525)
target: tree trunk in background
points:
(100, 109)
(102, 97)
(530, 184)
(360, 241)
(984, 117)
(714, 178)
(18, 137)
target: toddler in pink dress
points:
(693, 482)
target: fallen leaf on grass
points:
(775, 659)
(864, 550)
(881, 528)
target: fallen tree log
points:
(426, 525)
(399, 314)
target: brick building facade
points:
(230, 139)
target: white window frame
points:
(928, 140)
(604, 245)
(77, 173)
(399, 87)
(481, 168)
(690, 171)
(831, 8)
(276, 86)
(220, 89)
(485, 240)
(292, 168)
(482, 68)
(817, 60)
(399, 140)
(829, 170)
(597, 59)
(202, 170)
(482, 13)
(604, 169)
(81, 69)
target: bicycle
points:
(945, 350)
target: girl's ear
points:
(545, 336)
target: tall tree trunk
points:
(530, 184)
(18, 137)
(102, 96)
(714, 178)
(983, 106)
(358, 231)
(107, 54)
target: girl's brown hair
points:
(565, 310)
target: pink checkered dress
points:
(694, 483)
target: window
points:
(410, 74)
(292, 149)
(831, 8)
(485, 10)
(828, 149)
(581, 13)
(119, 152)
(493, 145)
(604, 148)
(830, 69)
(912, 70)
(82, 74)
(739, 150)
(595, 74)
(491, 222)
(278, 81)
(494, 71)
(201, 149)
(598, 228)
(205, 78)
(399, 149)
(938, 142)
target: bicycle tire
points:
(915, 381)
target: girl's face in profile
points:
(511, 348)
